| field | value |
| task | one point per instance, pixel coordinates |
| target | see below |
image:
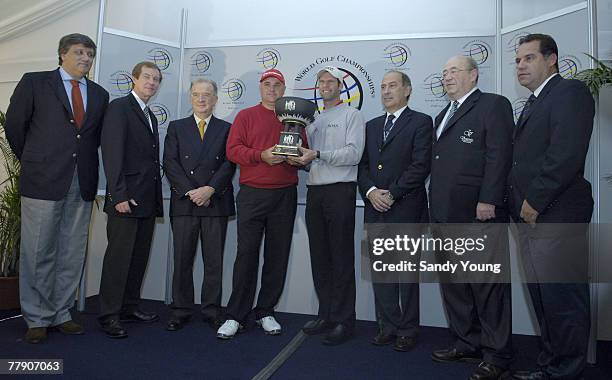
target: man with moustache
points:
(202, 198)
(471, 159)
(392, 174)
(266, 204)
(337, 139)
(53, 126)
(548, 193)
(130, 152)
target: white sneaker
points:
(228, 329)
(270, 326)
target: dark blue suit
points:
(130, 151)
(400, 164)
(470, 164)
(191, 162)
(41, 131)
(550, 148)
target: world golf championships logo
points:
(268, 58)
(120, 83)
(569, 66)
(434, 86)
(200, 62)
(478, 50)
(161, 112)
(233, 89)
(351, 92)
(161, 57)
(397, 54)
(513, 43)
(517, 107)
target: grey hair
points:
(204, 80)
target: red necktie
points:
(77, 104)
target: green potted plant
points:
(10, 224)
(596, 78)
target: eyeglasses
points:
(452, 72)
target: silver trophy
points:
(295, 114)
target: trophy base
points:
(286, 150)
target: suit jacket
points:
(471, 159)
(42, 133)
(400, 164)
(190, 162)
(130, 153)
(550, 148)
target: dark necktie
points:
(525, 110)
(388, 126)
(78, 110)
(148, 117)
(454, 107)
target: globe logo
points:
(434, 85)
(513, 43)
(121, 83)
(479, 52)
(396, 54)
(268, 58)
(568, 68)
(351, 92)
(160, 57)
(201, 61)
(517, 107)
(161, 113)
(234, 89)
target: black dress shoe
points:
(317, 326)
(404, 343)
(138, 316)
(214, 323)
(113, 329)
(383, 339)
(487, 371)
(530, 375)
(451, 355)
(338, 335)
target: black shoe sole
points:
(462, 360)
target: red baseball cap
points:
(274, 74)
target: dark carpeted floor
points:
(151, 352)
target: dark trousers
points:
(330, 219)
(211, 230)
(261, 211)
(480, 319)
(562, 309)
(397, 308)
(125, 263)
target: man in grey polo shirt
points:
(337, 139)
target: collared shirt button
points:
(437, 157)
(73, 154)
(380, 166)
(78, 136)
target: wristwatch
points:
(390, 196)
(318, 154)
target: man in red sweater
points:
(266, 203)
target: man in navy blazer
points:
(548, 192)
(471, 159)
(202, 199)
(392, 174)
(53, 126)
(130, 152)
